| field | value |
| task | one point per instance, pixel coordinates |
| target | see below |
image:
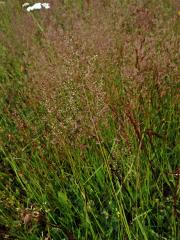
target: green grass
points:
(114, 176)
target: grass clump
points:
(89, 121)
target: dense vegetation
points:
(89, 120)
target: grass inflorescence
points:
(89, 120)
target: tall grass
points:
(89, 121)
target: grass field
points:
(89, 120)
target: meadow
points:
(90, 120)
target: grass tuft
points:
(89, 120)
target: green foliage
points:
(117, 179)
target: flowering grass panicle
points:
(89, 120)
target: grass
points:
(89, 121)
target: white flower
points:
(25, 5)
(46, 5)
(36, 6)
